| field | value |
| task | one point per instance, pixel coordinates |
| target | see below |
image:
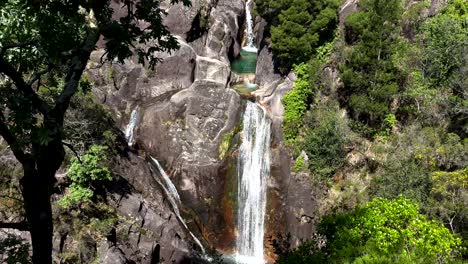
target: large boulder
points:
(185, 110)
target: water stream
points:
(249, 33)
(130, 129)
(254, 169)
(247, 61)
(174, 198)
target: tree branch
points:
(70, 146)
(11, 140)
(22, 226)
(76, 69)
(39, 74)
(21, 85)
(15, 45)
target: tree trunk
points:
(36, 194)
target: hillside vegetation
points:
(385, 145)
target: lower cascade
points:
(254, 169)
(174, 198)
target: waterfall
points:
(173, 197)
(167, 181)
(129, 130)
(249, 34)
(254, 169)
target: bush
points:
(325, 138)
(297, 101)
(381, 231)
(409, 159)
(84, 174)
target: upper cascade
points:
(249, 45)
(130, 129)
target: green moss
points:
(226, 142)
(231, 183)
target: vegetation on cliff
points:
(388, 136)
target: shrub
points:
(296, 101)
(84, 174)
(381, 231)
(325, 138)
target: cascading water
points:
(249, 34)
(254, 169)
(173, 197)
(247, 61)
(130, 129)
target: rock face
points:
(290, 208)
(152, 225)
(188, 120)
(347, 8)
(185, 110)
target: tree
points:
(303, 26)
(50, 43)
(325, 139)
(449, 197)
(371, 79)
(444, 61)
(389, 228)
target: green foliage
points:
(41, 42)
(296, 101)
(444, 61)
(446, 36)
(409, 158)
(76, 195)
(324, 52)
(84, 174)
(371, 79)
(381, 231)
(299, 165)
(391, 229)
(389, 123)
(89, 123)
(325, 138)
(302, 27)
(91, 168)
(449, 199)
(226, 142)
(14, 250)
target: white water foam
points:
(249, 34)
(254, 169)
(130, 129)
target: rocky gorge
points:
(252, 141)
(186, 114)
